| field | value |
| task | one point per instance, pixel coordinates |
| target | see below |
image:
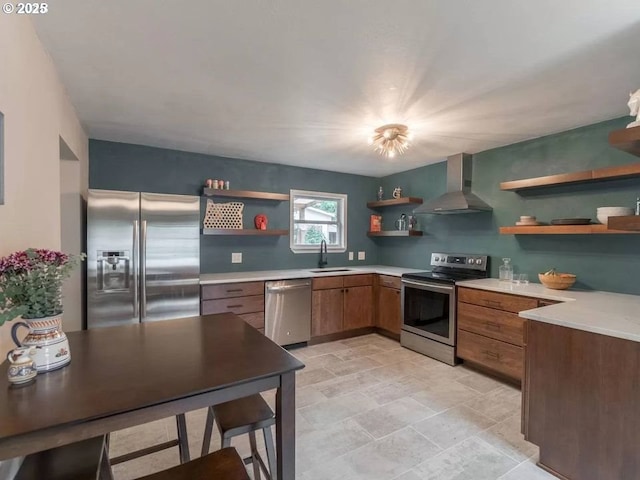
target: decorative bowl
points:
(603, 213)
(559, 281)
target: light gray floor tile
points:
(393, 416)
(481, 383)
(359, 351)
(453, 426)
(499, 404)
(308, 395)
(348, 384)
(527, 471)
(348, 367)
(472, 459)
(309, 377)
(506, 437)
(410, 475)
(393, 371)
(395, 390)
(440, 395)
(337, 409)
(323, 349)
(142, 436)
(396, 355)
(321, 361)
(373, 339)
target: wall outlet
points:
(361, 256)
(236, 257)
(350, 255)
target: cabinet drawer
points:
(230, 290)
(497, 324)
(322, 283)
(256, 319)
(501, 301)
(389, 281)
(236, 305)
(494, 354)
(357, 280)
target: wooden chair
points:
(223, 464)
(237, 417)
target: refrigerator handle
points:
(135, 263)
(143, 269)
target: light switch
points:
(350, 255)
(361, 255)
(236, 257)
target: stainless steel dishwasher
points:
(288, 311)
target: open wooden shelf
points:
(396, 233)
(627, 140)
(586, 176)
(243, 231)
(394, 201)
(629, 223)
(214, 192)
(561, 230)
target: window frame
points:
(342, 199)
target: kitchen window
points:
(317, 216)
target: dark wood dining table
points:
(133, 374)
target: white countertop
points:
(235, 277)
(606, 313)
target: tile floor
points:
(370, 409)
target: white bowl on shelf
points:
(603, 213)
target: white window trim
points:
(342, 215)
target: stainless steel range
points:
(429, 303)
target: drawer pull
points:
(493, 326)
(493, 355)
(234, 306)
(233, 290)
(493, 303)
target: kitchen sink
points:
(322, 270)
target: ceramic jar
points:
(50, 342)
(22, 367)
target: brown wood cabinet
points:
(582, 392)
(341, 303)
(245, 299)
(388, 306)
(490, 332)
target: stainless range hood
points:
(459, 198)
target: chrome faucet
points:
(323, 258)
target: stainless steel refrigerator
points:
(143, 257)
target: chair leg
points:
(104, 472)
(208, 428)
(226, 441)
(254, 455)
(271, 453)
(183, 438)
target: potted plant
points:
(31, 287)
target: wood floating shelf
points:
(627, 140)
(214, 192)
(629, 223)
(396, 233)
(246, 231)
(394, 201)
(598, 175)
(561, 230)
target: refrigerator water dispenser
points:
(113, 270)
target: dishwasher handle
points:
(287, 288)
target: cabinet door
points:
(327, 311)
(358, 307)
(389, 309)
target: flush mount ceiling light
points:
(391, 140)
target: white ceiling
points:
(304, 82)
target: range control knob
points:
(437, 259)
(478, 261)
(470, 261)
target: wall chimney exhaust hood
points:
(459, 198)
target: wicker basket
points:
(223, 215)
(560, 281)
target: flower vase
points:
(50, 342)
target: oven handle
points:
(429, 286)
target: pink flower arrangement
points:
(31, 283)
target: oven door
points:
(429, 310)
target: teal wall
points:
(119, 166)
(604, 262)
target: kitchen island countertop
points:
(606, 313)
(236, 277)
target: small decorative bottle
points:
(506, 271)
(380, 193)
